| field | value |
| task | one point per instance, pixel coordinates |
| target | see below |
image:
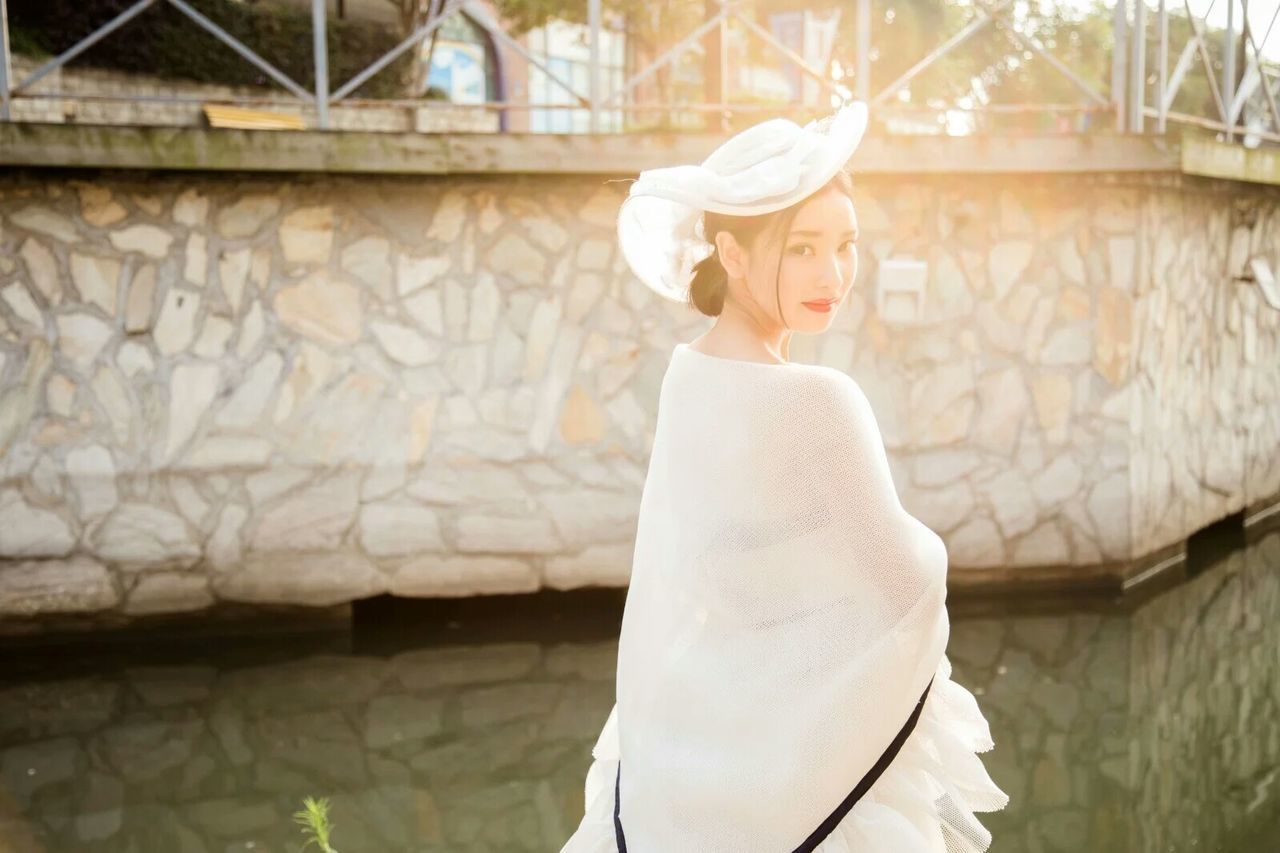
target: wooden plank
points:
(225, 115)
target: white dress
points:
(783, 618)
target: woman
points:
(781, 682)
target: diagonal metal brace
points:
(481, 17)
(85, 43)
(240, 48)
(984, 17)
(1257, 56)
(795, 58)
(1033, 44)
(432, 24)
(669, 56)
(1179, 71)
(1205, 61)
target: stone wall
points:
(1054, 407)
(312, 389)
(1205, 415)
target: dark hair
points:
(710, 281)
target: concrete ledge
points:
(1201, 155)
(1261, 517)
(248, 622)
(1137, 578)
(1098, 578)
(200, 149)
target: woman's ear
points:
(732, 256)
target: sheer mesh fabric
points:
(784, 615)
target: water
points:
(1147, 726)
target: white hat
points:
(767, 167)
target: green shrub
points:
(313, 817)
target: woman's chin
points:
(815, 323)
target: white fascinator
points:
(767, 167)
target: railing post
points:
(862, 85)
(1137, 67)
(1162, 82)
(1229, 67)
(1119, 59)
(593, 19)
(320, 47)
(713, 46)
(6, 73)
(725, 83)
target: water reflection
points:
(1149, 728)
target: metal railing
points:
(1127, 99)
(1228, 101)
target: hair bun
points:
(709, 283)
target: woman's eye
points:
(800, 248)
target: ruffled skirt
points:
(924, 802)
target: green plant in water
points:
(313, 817)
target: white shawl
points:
(784, 616)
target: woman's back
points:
(763, 611)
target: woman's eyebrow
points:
(850, 232)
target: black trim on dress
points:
(617, 806)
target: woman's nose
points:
(833, 272)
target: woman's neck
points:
(741, 338)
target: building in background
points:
(464, 63)
(565, 48)
(812, 35)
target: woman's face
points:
(819, 262)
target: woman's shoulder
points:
(812, 393)
(839, 398)
(760, 370)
